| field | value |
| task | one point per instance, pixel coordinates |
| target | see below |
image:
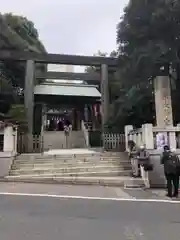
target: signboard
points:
(161, 140)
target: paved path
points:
(86, 191)
(40, 212)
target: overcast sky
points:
(72, 26)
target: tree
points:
(25, 37)
(92, 69)
(113, 80)
(25, 29)
(148, 38)
(17, 32)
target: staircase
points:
(77, 139)
(74, 167)
(57, 140)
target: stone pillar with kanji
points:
(163, 102)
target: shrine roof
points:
(79, 90)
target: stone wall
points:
(156, 177)
(9, 140)
(148, 135)
(6, 160)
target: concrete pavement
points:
(86, 191)
(39, 215)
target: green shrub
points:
(95, 139)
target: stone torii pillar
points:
(29, 99)
(163, 102)
(104, 95)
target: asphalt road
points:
(50, 218)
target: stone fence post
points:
(147, 135)
(172, 140)
(10, 140)
(127, 129)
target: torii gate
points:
(106, 64)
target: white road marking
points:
(89, 198)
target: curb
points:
(73, 181)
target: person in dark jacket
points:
(144, 160)
(133, 157)
(170, 161)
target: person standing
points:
(144, 161)
(171, 163)
(133, 150)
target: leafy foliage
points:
(18, 33)
(25, 29)
(113, 82)
(17, 112)
(148, 37)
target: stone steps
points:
(87, 167)
(68, 172)
(69, 165)
(71, 162)
(70, 155)
(82, 163)
(64, 158)
(56, 140)
(98, 180)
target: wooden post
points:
(29, 99)
(93, 117)
(104, 94)
(86, 113)
(43, 118)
